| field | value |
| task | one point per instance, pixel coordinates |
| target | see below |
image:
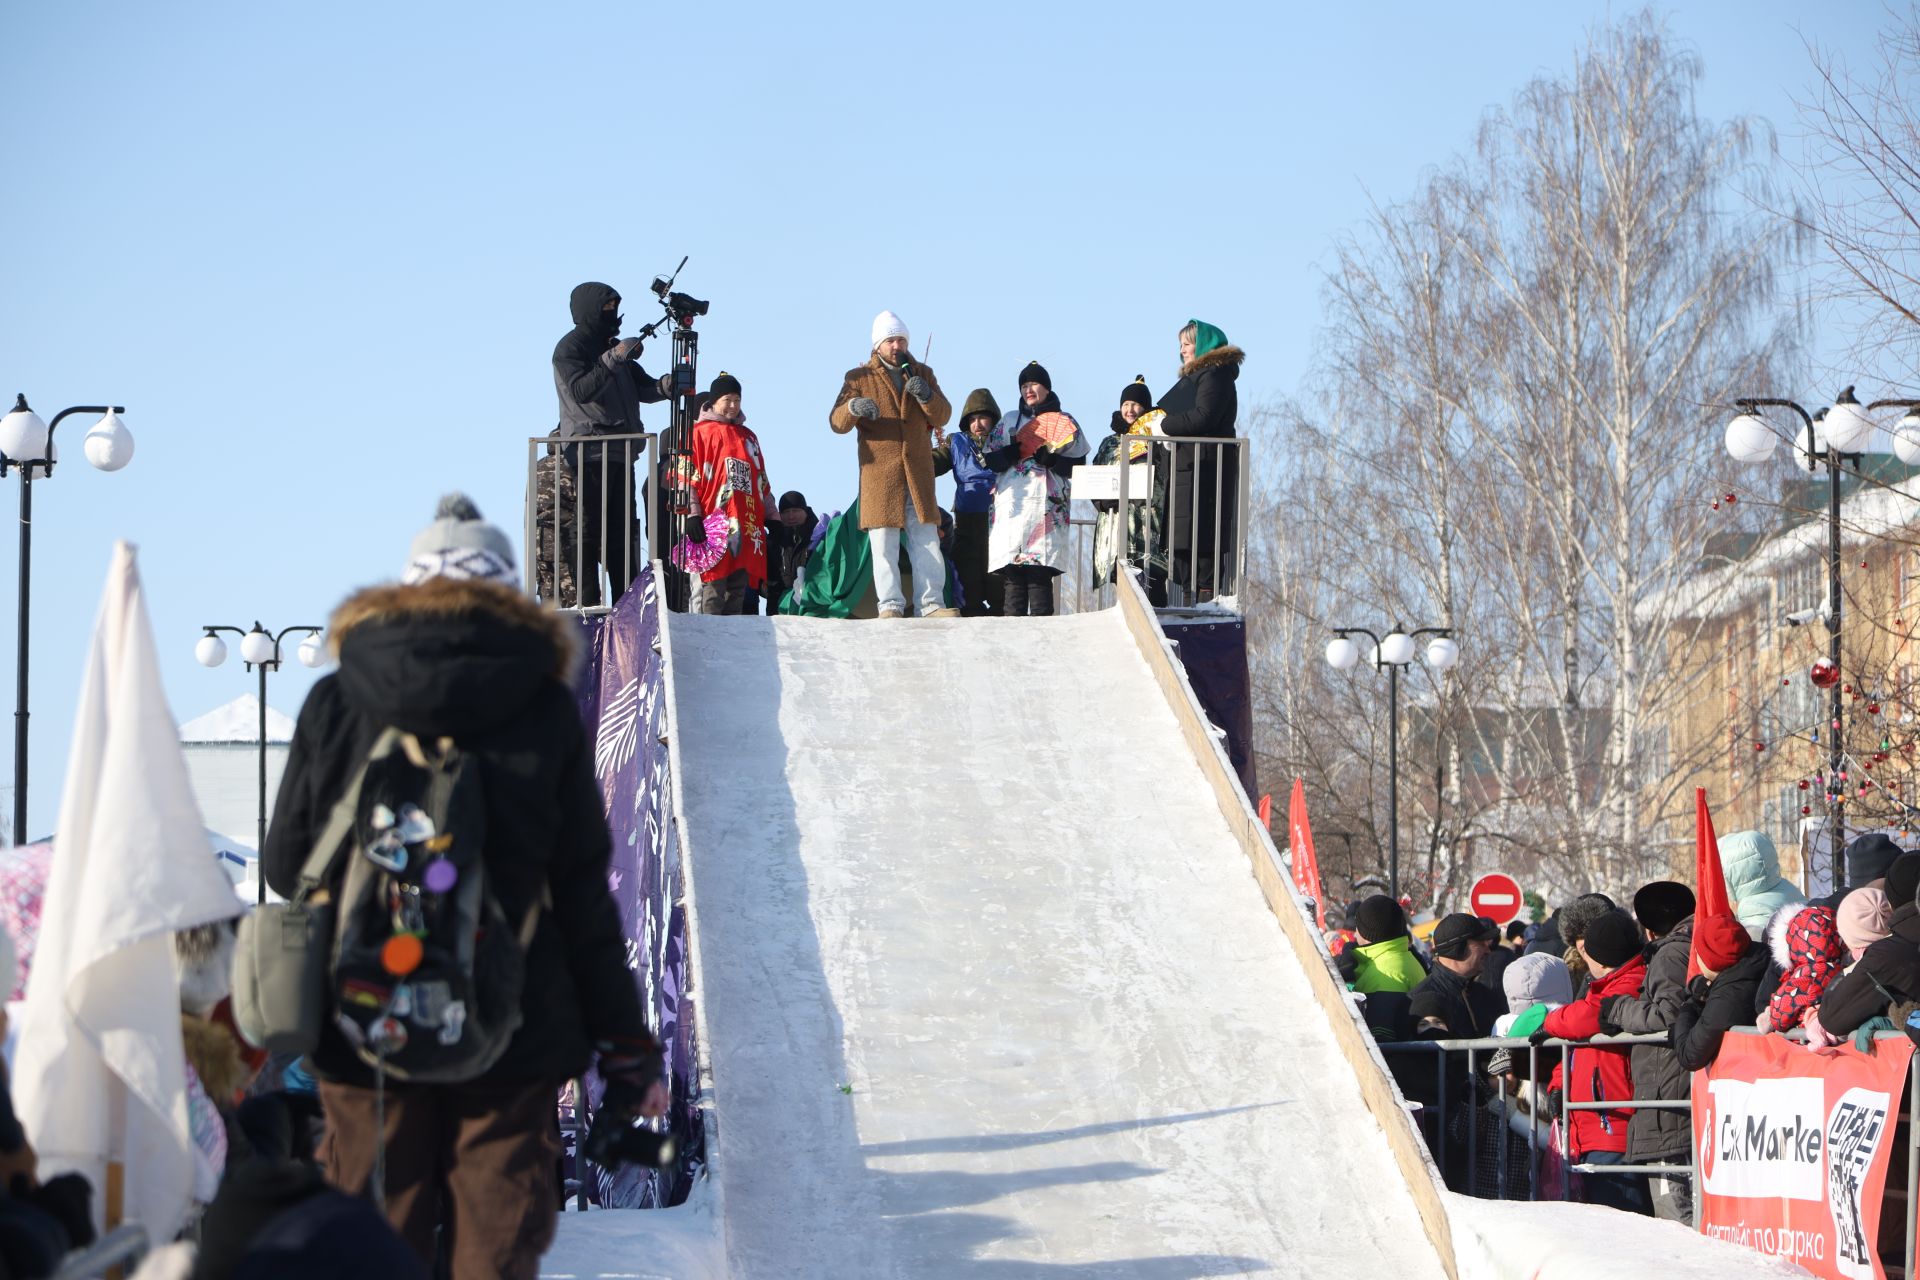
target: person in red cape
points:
(729, 479)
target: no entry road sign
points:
(1497, 897)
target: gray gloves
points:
(863, 407)
(917, 388)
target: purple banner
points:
(623, 703)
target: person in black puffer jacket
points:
(1206, 477)
(455, 651)
(1722, 996)
(1887, 971)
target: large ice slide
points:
(987, 982)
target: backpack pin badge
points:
(440, 876)
(389, 1035)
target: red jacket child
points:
(1613, 950)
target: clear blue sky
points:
(322, 253)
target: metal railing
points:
(1440, 1050)
(583, 523)
(1181, 517)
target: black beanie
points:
(1136, 392)
(793, 500)
(1661, 905)
(1868, 858)
(1613, 939)
(1454, 934)
(1379, 918)
(1581, 912)
(1903, 879)
(724, 385)
(1035, 372)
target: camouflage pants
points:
(568, 533)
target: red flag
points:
(1710, 883)
(1306, 867)
(1266, 812)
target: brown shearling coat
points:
(896, 448)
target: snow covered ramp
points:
(986, 986)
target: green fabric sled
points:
(839, 573)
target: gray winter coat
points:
(1655, 1137)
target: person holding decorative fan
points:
(1135, 417)
(726, 537)
(1032, 451)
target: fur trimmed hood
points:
(1228, 356)
(1776, 934)
(456, 598)
(449, 657)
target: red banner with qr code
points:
(1793, 1148)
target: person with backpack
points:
(440, 790)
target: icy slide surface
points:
(989, 989)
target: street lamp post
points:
(27, 443)
(1835, 438)
(260, 650)
(1393, 653)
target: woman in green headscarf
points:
(1204, 404)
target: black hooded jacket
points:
(1887, 971)
(599, 394)
(1702, 1022)
(484, 665)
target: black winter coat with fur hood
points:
(486, 666)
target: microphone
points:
(906, 365)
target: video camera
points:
(683, 307)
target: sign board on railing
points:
(1794, 1146)
(1102, 483)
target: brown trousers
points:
(477, 1162)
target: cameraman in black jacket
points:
(601, 387)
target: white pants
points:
(923, 553)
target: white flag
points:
(99, 1072)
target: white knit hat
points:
(887, 325)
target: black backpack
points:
(427, 969)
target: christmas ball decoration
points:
(1824, 674)
(1846, 688)
(1716, 504)
(1732, 498)
(1759, 746)
(1805, 809)
(1873, 708)
(1803, 784)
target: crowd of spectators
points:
(1675, 979)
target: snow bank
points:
(1505, 1240)
(682, 1243)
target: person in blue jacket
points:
(960, 453)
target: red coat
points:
(730, 475)
(1806, 945)
(1599, 1075)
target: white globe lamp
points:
(1397, 649)
(23, 436)
(256, 647)
(1443, 654)
(1342, 653)
(1750, 438)
(210, 652)
(109, 445)
(1848, 428)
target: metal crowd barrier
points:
(1183, 525)
(1439, 1051)
(582, 518)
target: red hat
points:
(1719, 941)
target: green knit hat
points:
(1205, 337)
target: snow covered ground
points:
(988, 988)
(1506, 1241)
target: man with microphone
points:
(896, 407)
